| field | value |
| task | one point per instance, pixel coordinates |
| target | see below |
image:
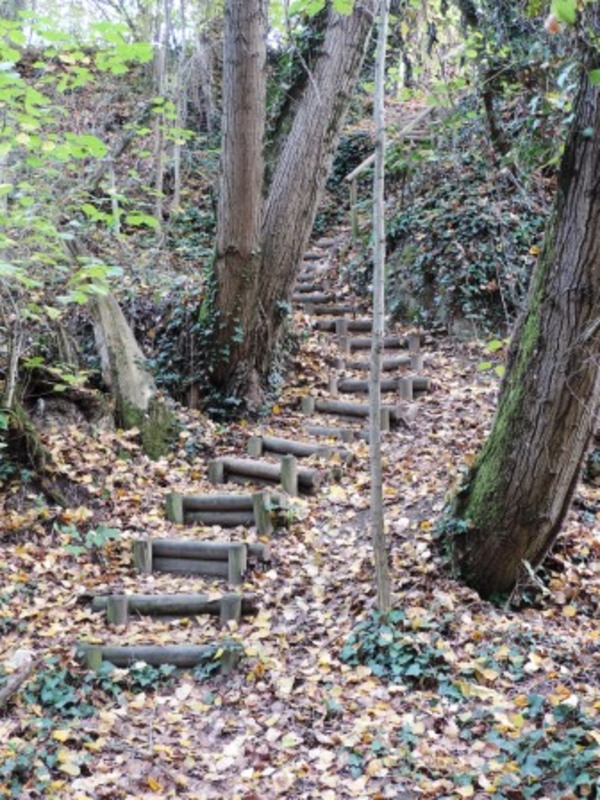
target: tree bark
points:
(240, 198)
(256, 271)
(378, 536)
(515, 499)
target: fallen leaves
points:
(296, 721)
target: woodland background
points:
(109, 187)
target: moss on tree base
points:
(157, 425)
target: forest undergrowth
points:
(453, 698)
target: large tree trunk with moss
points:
(255, 282)
(515, 499)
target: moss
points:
(157, 426)
(481, 498)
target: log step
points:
(229, 606)
(287, 473)
(226, 654)
(310, 287)
(315, 297)
(420, 385)
(332, 310)
(390, 415)
(257, 445)
(343, 434)
(333, 325)
(391, 342)
(226, 510)
(212, 559)
(387, 364)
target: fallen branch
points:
(15, 681)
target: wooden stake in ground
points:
(380, 550)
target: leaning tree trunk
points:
(514, 501)
(240, 197)
(255, 302)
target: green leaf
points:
(565, 10)
(309, 7)
(495, 344)
(500, 370)
(484, 365)
(594, 77)
(141, 219)
(343, 6)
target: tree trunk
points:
(378, 537)
(240, 198)
(256, 274)
(515, 499)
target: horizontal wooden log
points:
(354, 385)
(329, 325)
(217, 502)
(308, 479)
(390, 342)
(390, 415)
(343, 434)
(308, 287)
(316, 297)
(342, 407)
(210, 551)
(275, 444)
(16, 679)
(182, 656)
(330, 241)
(174, 605)
(225, 519)
(387, 364)
(191, 566)
(313, 256)
(333, 310)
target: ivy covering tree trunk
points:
(513, 503)
(256, 273)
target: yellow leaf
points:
(534, 250)
(276, 410)
(97, 746)
(291, 740)
(70, 768)
(375, 767)
(569, 611)
(465, 791)
(521, 701)
(61, 734)
(337, 493)
(154, 785)
(488, 674)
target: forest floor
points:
(490, 702)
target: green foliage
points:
(565, 10)
(93, 541)
(462, 247)
(397, 649)
(497, 349)
(58, 697)
(139, 677)
(48, 213)
(55, 689)
(538, 746)
(554, 754)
